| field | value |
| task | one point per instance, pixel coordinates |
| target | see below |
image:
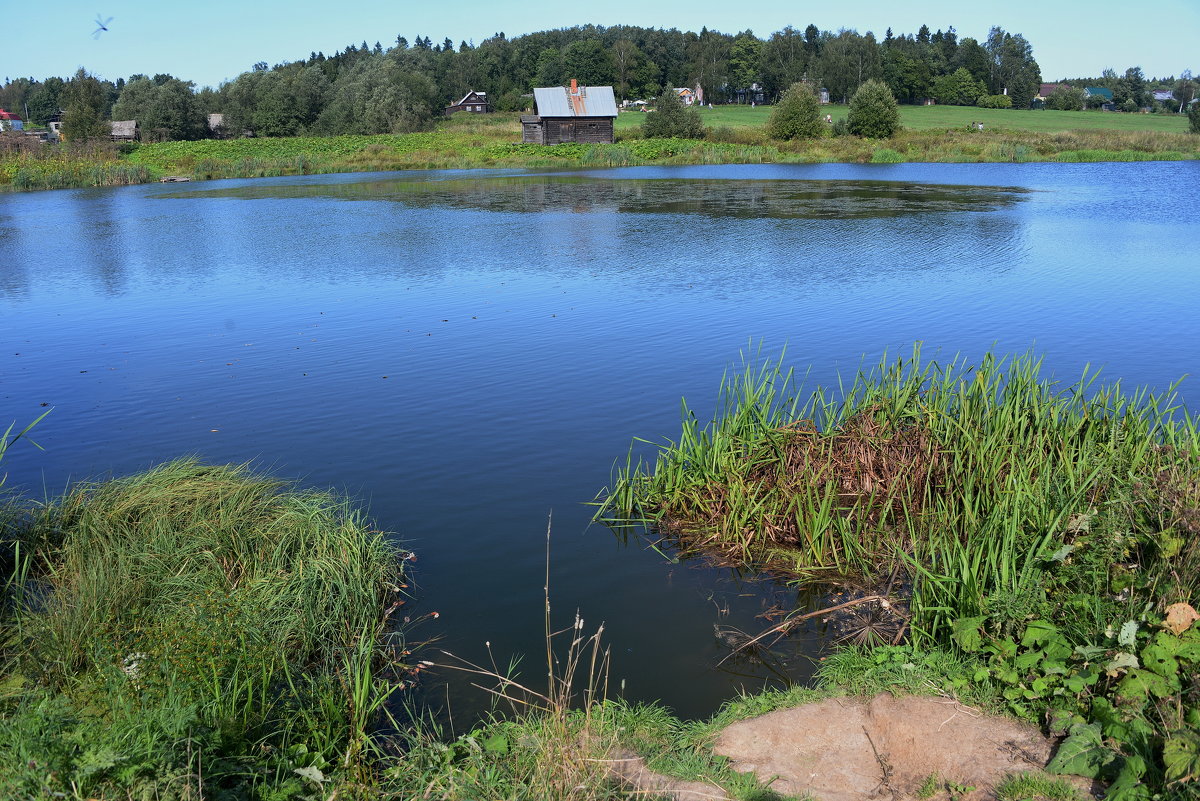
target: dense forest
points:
(369, 89)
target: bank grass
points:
(963, 474)
(1049, 533)
(195, 631)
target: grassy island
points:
(735, 135)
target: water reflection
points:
(14, 272)
(746, 199)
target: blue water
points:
(467, 353)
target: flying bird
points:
(101, 26)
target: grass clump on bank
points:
(1050, 535)
(193, 631)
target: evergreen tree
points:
(796, 115)
(873, 111)
(1194, 118)
(671, 118)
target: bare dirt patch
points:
(851, 749)
(630, 770)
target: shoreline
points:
(489, 144)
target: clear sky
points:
(214, 40)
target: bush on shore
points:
(797, 115)
(873, 111)
(671, 119)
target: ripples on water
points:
(469, 352)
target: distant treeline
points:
(368, 89)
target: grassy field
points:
(923, 118)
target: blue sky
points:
(209, 42)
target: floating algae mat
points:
(750, 199)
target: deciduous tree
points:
(84, 109)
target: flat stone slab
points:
(851, 749)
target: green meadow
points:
(922, 118)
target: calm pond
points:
(469, 352)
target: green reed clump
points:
(194, 629)
(883, 155)
(1049, 535)
(969, 477)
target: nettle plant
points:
(1130, 705)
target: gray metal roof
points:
(592, 101)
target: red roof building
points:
(10, 121)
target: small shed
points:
(577, 114)
(124, 130)
(474, 102)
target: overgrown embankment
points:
(1051, 535)
(193, 632)
(491, 141)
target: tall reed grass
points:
(966, 478)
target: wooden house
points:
(124, 130)
(474, 102)
(577, 114)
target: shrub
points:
(1194, 118)
(994, 101)
(796, 115)
(873, 111)
(672, 120)
(1065, 98)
